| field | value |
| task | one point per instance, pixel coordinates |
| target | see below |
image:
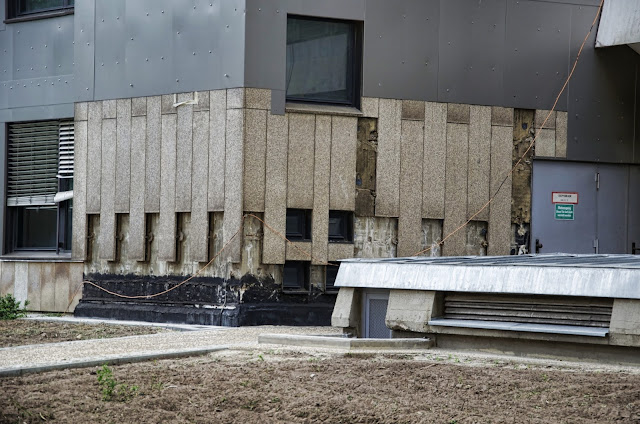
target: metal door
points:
(633, 222)
(375, 313)
(612, 198)
(575, 235)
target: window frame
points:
(304, 217)
(355, 64)
(346, 225)
(12, 12)
(330, 277)
(304, 271)
(64, 209)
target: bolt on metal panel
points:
(536, 53)
(84, 49)
(401, 49)
(471, 51)
(602, 100)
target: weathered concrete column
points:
(411, 310)
(624, 329)
(347, 311)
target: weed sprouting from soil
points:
(113, 390)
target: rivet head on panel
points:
(163, 11)
(117, 18)
(117, 63)
(32, 68)
(162, 57)
(209, 51)
(38, 84)
(277, 10)
(45, 45)
(130, 85)
(178, 32)
(447, 90)
(147, 59)
(131, 38)
(177, 80)
(31, 47)
(87, 44)
(259, 9)
(103, 20)
(147, 14)
(226, 75)
(82, 30)
(194, 7)
(87, 88)
(102, 64)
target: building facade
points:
(207, 131)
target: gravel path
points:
(84, 350)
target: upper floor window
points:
(323, 61)
(33, 8)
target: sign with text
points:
(564, 197)
(564, 212)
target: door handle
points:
(538, 245)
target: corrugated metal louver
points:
(65, 156)
(33, 154)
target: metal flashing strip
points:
(515, 326)
(609, 276)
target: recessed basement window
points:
(330, 277)
(340, 226)
(299, 224)
(295, 276)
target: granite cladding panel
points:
(199, 204)
(275, 208)
(255, 147)
(479, 162)
(435, 153)
(184, 154)
(137, 227)
(499, 234)
(321, 184)
(388, 161)
(217, 135)
(344, 142)
(123, 155)
(410, 219)
(153, 154)
(107, 242)
(300, 161)
(456, 188)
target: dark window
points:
(298, 224)
(330, 277)
(323, 61)
(39, 185)
(26, 8)
(295, 275)
(340, 226)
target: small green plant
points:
(111, 389)
(10, 308)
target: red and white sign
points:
(567, 198)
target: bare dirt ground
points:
(25, 332)
(288, 385)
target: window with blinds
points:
(39, 186)
(38, 154)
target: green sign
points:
(564, 212)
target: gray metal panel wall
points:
(602, 99)
(266, 34)
(151, 47)
(36, 64)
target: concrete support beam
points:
(344, 142)
(79, 233)
(435, 154)
(167, 223)
(184, 154)
(625, 322)
(94, 156)
(388, 162)
(137, 227)
(346, 313)
(411, 310)
(217, 148)
(455, 213)
(410, 219)
(107, 247)
(199, 250)
(233, 187)
(500, 209)
(275, 208)
(123, 155)
(300, 161)
(255, 147)
(479, 161)
(322, 173)
(153, 156)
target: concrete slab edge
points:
(109, 360)
(168, 326)
(344, 342)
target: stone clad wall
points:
(49, 286)
(160, 188)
